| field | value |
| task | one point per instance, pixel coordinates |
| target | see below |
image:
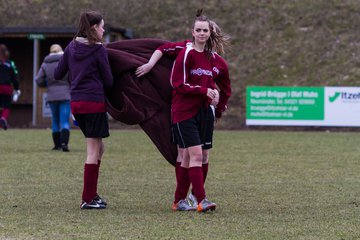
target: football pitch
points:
(267, 184)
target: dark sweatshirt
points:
(89, 70)
(7, 78)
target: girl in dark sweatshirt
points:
(86, 60)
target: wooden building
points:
(28, 47)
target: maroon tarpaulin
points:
(146, 100)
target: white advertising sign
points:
(46, 111)
(303, 106)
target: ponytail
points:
(85, 30)
(219, 39)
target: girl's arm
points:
(105, 70)
(63, 67)
(144, 69)
(168, 49)
(224, 84)
(41, 77)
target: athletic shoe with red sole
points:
(206, 205)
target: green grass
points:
(268, 185)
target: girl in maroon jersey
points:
(220, 76)
(192, 116)
(8, 83)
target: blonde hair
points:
(55, 48)
(221, 39)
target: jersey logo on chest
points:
(215, 69)
(200, 72)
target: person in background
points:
(12, 63)
(9, 85)
(58, 97)
(86, 60)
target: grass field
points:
(268, 185)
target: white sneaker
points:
(91, 205)
(193, 200)
(182, 205)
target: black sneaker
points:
(3, 123)
(99, 200)
(65, 148)
(92, 205)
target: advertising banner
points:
(46, 111)
(303, 106)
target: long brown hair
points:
(86, 21)
(221, 39)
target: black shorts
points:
(195, 131)
(93, 125)
(5, 100)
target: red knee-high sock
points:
(5, 113)
(177, 168)
(178, 181)
(182, 184)
(197, 181)
(97, 176)
(89, 189)
(205, 168)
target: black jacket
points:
(7, 75)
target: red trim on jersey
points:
(81, 107)
(222, 80)
(171, 49)
(6, 89)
